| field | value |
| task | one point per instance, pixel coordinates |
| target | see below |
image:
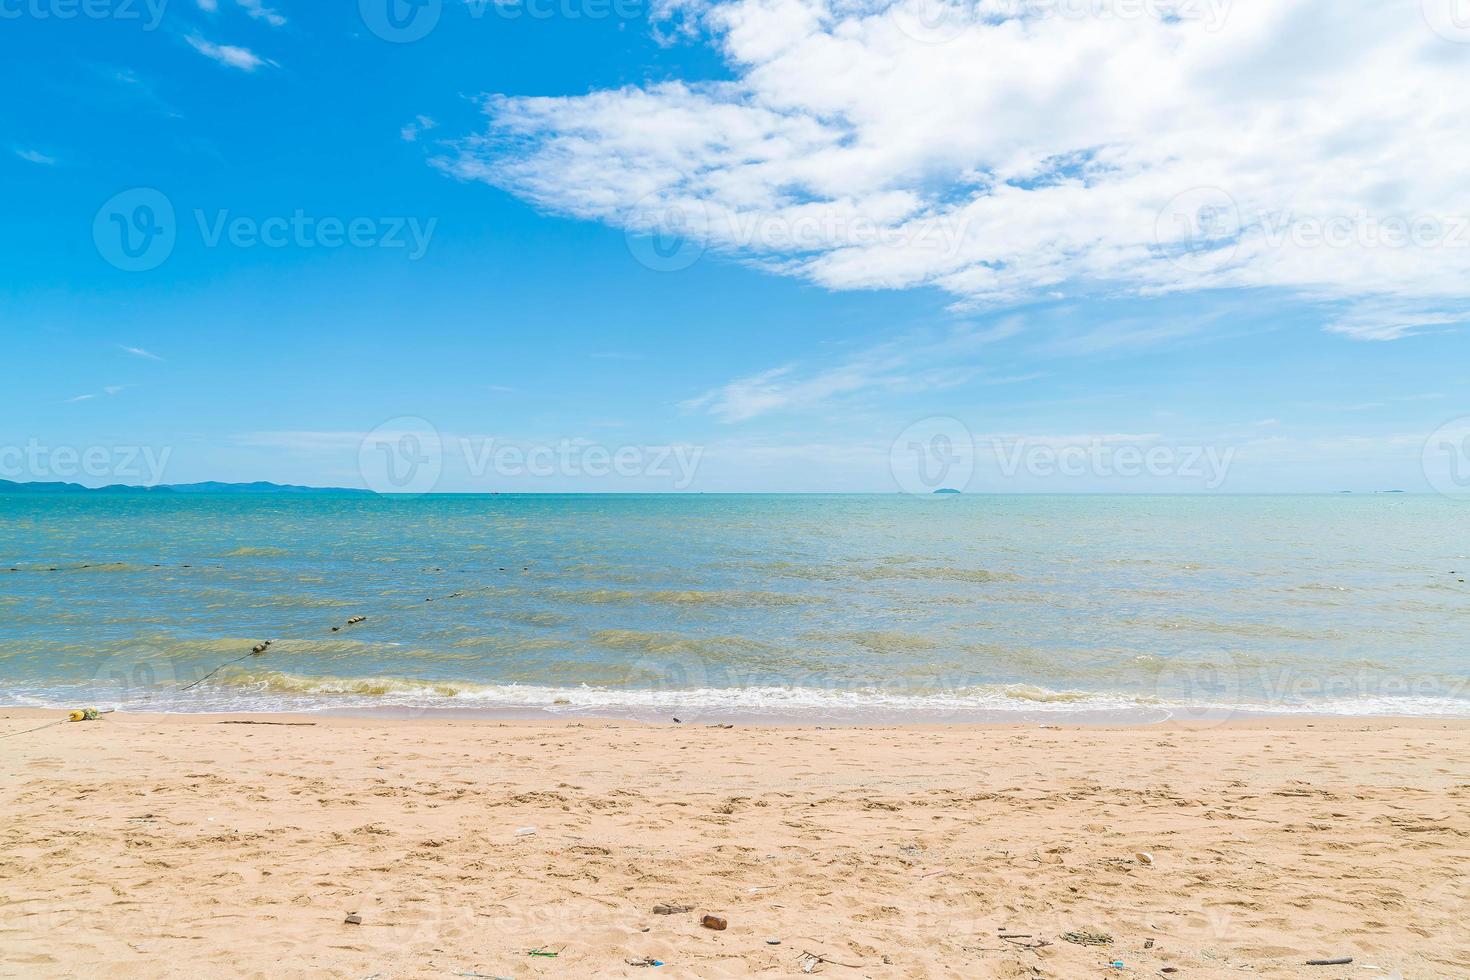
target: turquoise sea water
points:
(841, 607)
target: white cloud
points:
(109, 391)
(420, 124)
(913, 362)
(258, 10)
(33, 156)
(1033, 151)
(255, 8)
(140, 352)
(1374, 323)
(228, 54)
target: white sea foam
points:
(993, 703)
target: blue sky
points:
(777, 238)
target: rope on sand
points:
(85, 714)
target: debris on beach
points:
(1339, 961)
(525, 831)
(1144, 857)
(1086, 937)
(646, 961)
(714, 922)
(662, 909)
(353, 919)
(808, 962)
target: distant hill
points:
(946, 490)
(9, 486)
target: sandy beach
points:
(203, 846)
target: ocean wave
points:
(894, 569)
(244, 690)
(256, 551)
(675, 644)
(688, 597)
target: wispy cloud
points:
(258, 10)
(916, 361)
(1375, 323)
(420, 124)
(139, 352)
(229, 55)
(255, 8)
(35, 156)
(108, 392)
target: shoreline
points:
(188, 845)
(391, 718)
(1121, 718)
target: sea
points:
(848, 609)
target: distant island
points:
(10, 486)
(946, 490)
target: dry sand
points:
(180, 846)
